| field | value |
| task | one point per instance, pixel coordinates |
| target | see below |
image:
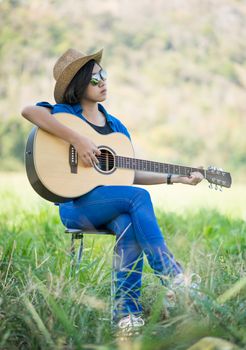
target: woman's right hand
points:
(87, 150)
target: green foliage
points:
(44, 306)
(13, 135)
(174, 78)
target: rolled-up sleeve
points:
(46, 105)
(57, 108)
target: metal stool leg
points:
(75, 234)
(113, 284)
(80, 253)
(72, 250)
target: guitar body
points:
(49, 158)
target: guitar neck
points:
(156, 167)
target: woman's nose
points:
(102, 83)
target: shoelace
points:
(131, 321)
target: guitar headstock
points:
(218, 177)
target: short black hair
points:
(76, 88)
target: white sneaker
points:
(182, 283)
(130, 324)
(191, 281)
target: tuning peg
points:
(220, 188)
(216, 187)
(211, 168)
(210, 186)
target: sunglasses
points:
(97, 77)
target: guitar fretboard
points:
(156, 167)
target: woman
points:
(81, 84)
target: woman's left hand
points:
(193, 179)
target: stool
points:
(79, 234)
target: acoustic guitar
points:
(57, 174)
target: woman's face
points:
(96, 93)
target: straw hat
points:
(67, 66)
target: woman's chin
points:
(102, 98)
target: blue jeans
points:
(128, 211)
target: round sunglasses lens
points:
(103, 74)
(94, 81)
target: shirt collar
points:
(79, 110)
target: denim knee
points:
(120, 224)
(141, 197)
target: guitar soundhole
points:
(106, 160)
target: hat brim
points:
(70, 71)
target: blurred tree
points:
(175, 66)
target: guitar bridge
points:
(73, 159)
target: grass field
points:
(44, 306)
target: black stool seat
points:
(89, 231)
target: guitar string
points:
(150, 165)
(140, 162)
(110, 160)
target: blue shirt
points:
(77, 110)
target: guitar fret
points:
(144, 164)
(127, 163)
(149, 165)
(182, 170)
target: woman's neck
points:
(90, 109)
(92, 114)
